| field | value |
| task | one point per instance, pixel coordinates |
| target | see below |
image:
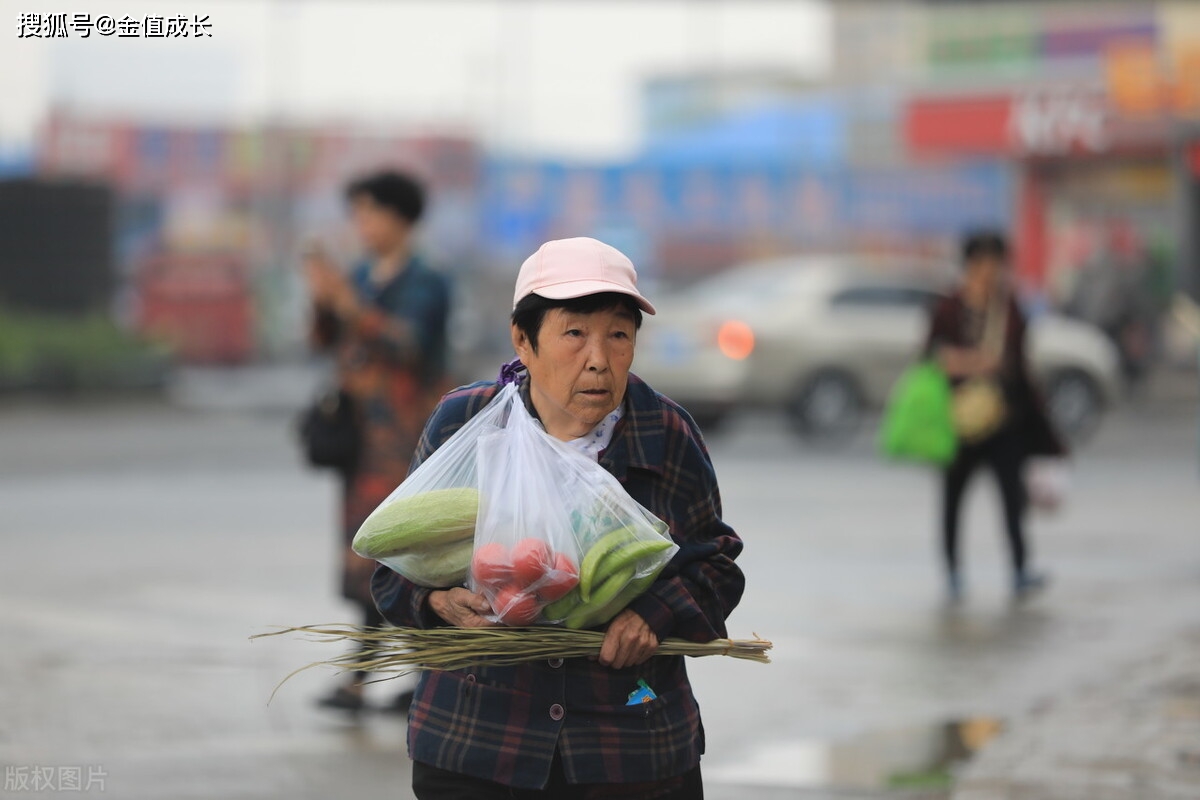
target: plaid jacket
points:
(505, 723)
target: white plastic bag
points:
(425, 529)
(544, 532)
(1047, 483)
(558, 539)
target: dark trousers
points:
(1004, 453)
(431, 783)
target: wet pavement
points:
(1134, 733)
(141, 545)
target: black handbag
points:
(330, 432)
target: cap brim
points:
(572, 289)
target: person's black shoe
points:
(400, 703)
(1029, 584)
(343, 699)
(954, 589)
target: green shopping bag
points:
(917, 423)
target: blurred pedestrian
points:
(386, 323)
(977, 334)
(1117, 291)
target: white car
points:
(826, 338)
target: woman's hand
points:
(343, 297)
(986, 364)
(329, 286)
(318, 273)
(462, 608)
(628, 641)
(968, 362)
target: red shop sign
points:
(1037, 122)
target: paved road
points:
(1133, 735)
(140, 545)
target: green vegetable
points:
(612, 553)
(559, 609)
(439, 567)
(605, 593)
(597, 614)
(606, 544)
(418, 523)
(611, 587)
(631, 554)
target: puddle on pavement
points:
(908, 758)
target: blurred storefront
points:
(1060, 121)
(1189, 204)
(1091, 180)
(210, 221)
(1093, 108)
(1087, 104)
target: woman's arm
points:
(405, 604)
(966, 362)
(1015, 359)
(702, 584)
(322, 278)
(408, 331)
(325, 329)
(942, 345)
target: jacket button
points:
(555, 663)
(556, 712)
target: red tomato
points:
(515, 607)
(531, 558)
(559, 580)
(491, 564)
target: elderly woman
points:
(561, 727)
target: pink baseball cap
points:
(565, 268)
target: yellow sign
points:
(1136, 84)
(1141, 82)
(1186, 89)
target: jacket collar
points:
(639, 440)
(361, 276)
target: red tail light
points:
(735, 339)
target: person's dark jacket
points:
(950, 325)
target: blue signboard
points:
(525, 203)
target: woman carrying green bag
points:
(971, 402)
(977, 336)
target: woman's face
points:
(379, 228)
(986, 273)
(580, 369)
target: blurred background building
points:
(1076, 125)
